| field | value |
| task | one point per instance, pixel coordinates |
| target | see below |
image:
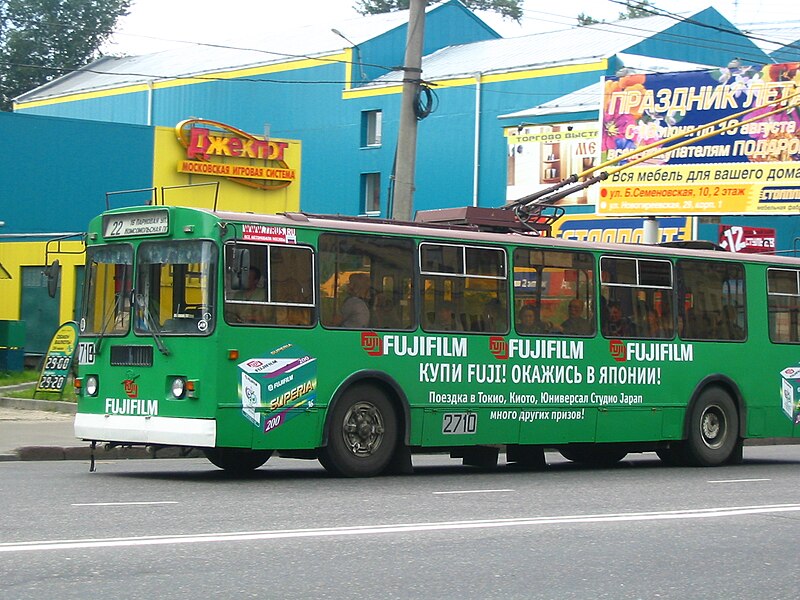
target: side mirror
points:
(239, 268)
(53, 274)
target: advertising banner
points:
(749, 240)
(594, 229)
(742, 160)
(541, 155)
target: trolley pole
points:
(407, 134)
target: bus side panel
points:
(635, 424)
(557, 425)
(457, 427)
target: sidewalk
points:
(43, 430)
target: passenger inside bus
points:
(653, 326)
(445, 318)
(493, 318)
(576, 323)
(355, 313)
(529, 321)
(617, 325)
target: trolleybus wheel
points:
(362, 433)
(595, 455)
(713, 429)
(237, 460)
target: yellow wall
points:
(232, 196)
(15, 255)
(167, 153)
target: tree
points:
(637, 10)
(634, 9)
(44, 39)
(584, 19)
(508, 8)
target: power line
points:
(626, 28)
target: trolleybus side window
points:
(783, 294)
(175, 287)
(366, 282)
(636, 298)
(711, 300)
(108, 290)
(465, 288)
(269, 284)
(553, 292)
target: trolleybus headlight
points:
(179, 387)
(91, 385)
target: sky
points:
(154, 25)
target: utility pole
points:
(407, 135)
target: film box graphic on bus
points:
(790, 393)
(274, 386)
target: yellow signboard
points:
(720, 141)
(57, 361)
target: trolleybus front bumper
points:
(167, 431)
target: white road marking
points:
(246, 536)
(474, 492)
(736, 480)
(143, 503)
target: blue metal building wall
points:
(57, 171)
(128, 107)
(448, 25)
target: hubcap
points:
(363, 429)
(713, 427)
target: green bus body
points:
(164, 360)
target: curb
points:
(58, 406)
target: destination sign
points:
(150, 222)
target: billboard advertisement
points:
(594, 229)
(741, 130)
(541, 155)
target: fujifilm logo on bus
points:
(409, 345)
(650, 351)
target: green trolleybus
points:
(359, 342)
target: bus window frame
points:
(637, 285)
(126, 310)
(266, 273)
(680, 292)
(589, 302)
(347, 236)
(209, 316)
(795, 309)
(464, 274)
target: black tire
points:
(362, 433)
(237, 461)
(595, 455)
(713, 429)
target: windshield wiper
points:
(150, 323)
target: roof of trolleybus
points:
(464, 233)
(456, 233)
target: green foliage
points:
(508, 8)
(44, 39)
(13, 377)
(584, 19)
(637, 10)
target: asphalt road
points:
(182, 529)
